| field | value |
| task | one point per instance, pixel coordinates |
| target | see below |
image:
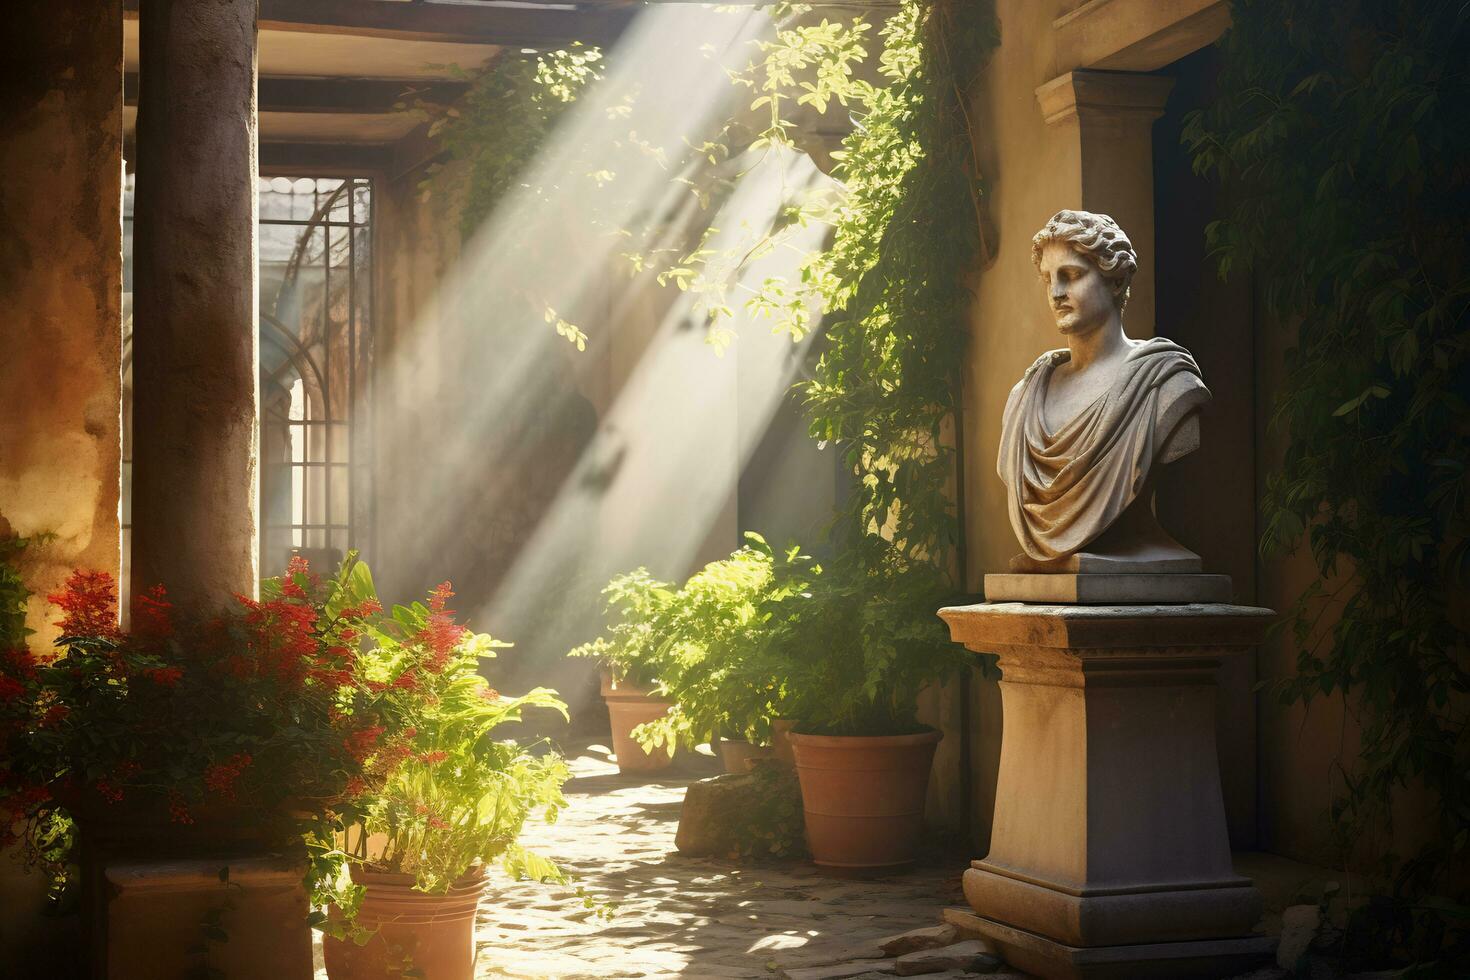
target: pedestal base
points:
(1106, 588)
(1199, 959)
(1117, 916)
(1109, 856)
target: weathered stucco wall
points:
(61, 290)
(61, 286)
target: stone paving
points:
(673, 916)
(678, 916)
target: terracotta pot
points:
(433, 934)
(781, 741)
(628, 706)
(863, 798)
(738, 756)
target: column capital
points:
(1103, 93)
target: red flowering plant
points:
(460, 799)
(294, 706)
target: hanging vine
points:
(908, 236)
(1341, 133)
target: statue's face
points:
(1080, 296)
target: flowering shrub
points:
(458, 797)
(300, 703)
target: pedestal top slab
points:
(986, 626)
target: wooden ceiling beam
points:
(309, 159)
(442, 22)
(334, 95)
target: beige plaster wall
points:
(60, 338)
(61, 287)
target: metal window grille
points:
(315, 273)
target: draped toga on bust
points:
(1066, 488)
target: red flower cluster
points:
(90, 604)
(178, 809)
(282, 637)
(441, 634)
(152, 616)
(220, 778)
(363, 743)
(165, 676)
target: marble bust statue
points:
(1087, 428)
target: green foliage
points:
(1341, 132)
(13, 591)
(697, 643)
(858, 645)
(908, 235)
(505, 118)
(463, 799)
(452, 795)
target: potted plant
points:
(178, 738)
(714, 623)
(696, 640)
(422, 842)
(856, 647)
(629, 657)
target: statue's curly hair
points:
(1098, 237)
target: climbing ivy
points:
(908, 236)
(13, 592)
(505, 118)
(1340, 133)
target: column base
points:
(1198, 959)
(1145, 913)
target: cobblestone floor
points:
(677, 916)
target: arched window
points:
(315, 280)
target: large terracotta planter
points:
(863, 798)
(628, 706)
(432, 934)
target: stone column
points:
(1111, 117)
(194, 302)
(1109, 856)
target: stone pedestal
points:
(1109, 827)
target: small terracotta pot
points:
(738, 756)
(628, 706)
(781, 741)
(863, 798)
(433, 934)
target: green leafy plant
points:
(14, 595)
(1340, 133)
(460, 798)
(455, 797)
(858, 645)
(696, 643)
